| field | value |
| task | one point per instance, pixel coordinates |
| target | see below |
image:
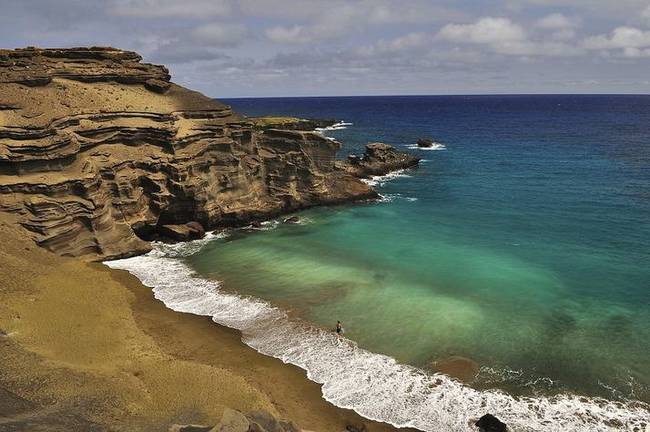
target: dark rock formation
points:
(291, 123)
(292, 220)
(425, 142)
(232, 421)
(356, 427)
(96, 148)
(175, 232)
(184, 232)
(196, 230)
(378, 159)
(489, 423)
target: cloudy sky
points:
(230, 48)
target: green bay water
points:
(521, 243)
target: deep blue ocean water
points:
(523, 245)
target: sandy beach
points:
(84, 347)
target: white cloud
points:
(484, 31)
(556, 21)
(406, 42)
(293, 34)
(502, 36)
(636, 52)
(621, 37)
(171, 8)
(332, 19)
(367, 11)
(219, 34)
(563, 34)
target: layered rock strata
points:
(291, 123)
(98, 151)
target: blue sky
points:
(230, 48)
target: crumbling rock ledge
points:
(99, 151)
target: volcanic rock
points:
(99, 150)
(425, 142)
(378, 159)
(356, 427)
(232, 421)
(489, 423)
(265, 420)
(176, 232)
(292, 220)
(196, 230)
(291, 123)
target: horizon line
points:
(432, 95)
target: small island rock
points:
(425, 142)
(378, 159)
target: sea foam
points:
(434, 146)
(374, 385)
(383, 179)
(336, 126)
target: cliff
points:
(99, 150)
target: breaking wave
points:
(336, 126)
(434, 146)
(374, 385)
(381, 180)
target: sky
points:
(254, 48)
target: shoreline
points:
(148, 311)
(86, 347)
(423, 400)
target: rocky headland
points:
(291, 123)
(98, 151)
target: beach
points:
(87, 347)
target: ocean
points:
(521, 242)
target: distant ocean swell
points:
(375, 386)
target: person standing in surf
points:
(339, 328)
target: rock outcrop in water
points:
(98, 151)
(489, 423)
(378, 159)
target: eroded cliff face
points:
(97, 150)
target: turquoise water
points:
(522, 246)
